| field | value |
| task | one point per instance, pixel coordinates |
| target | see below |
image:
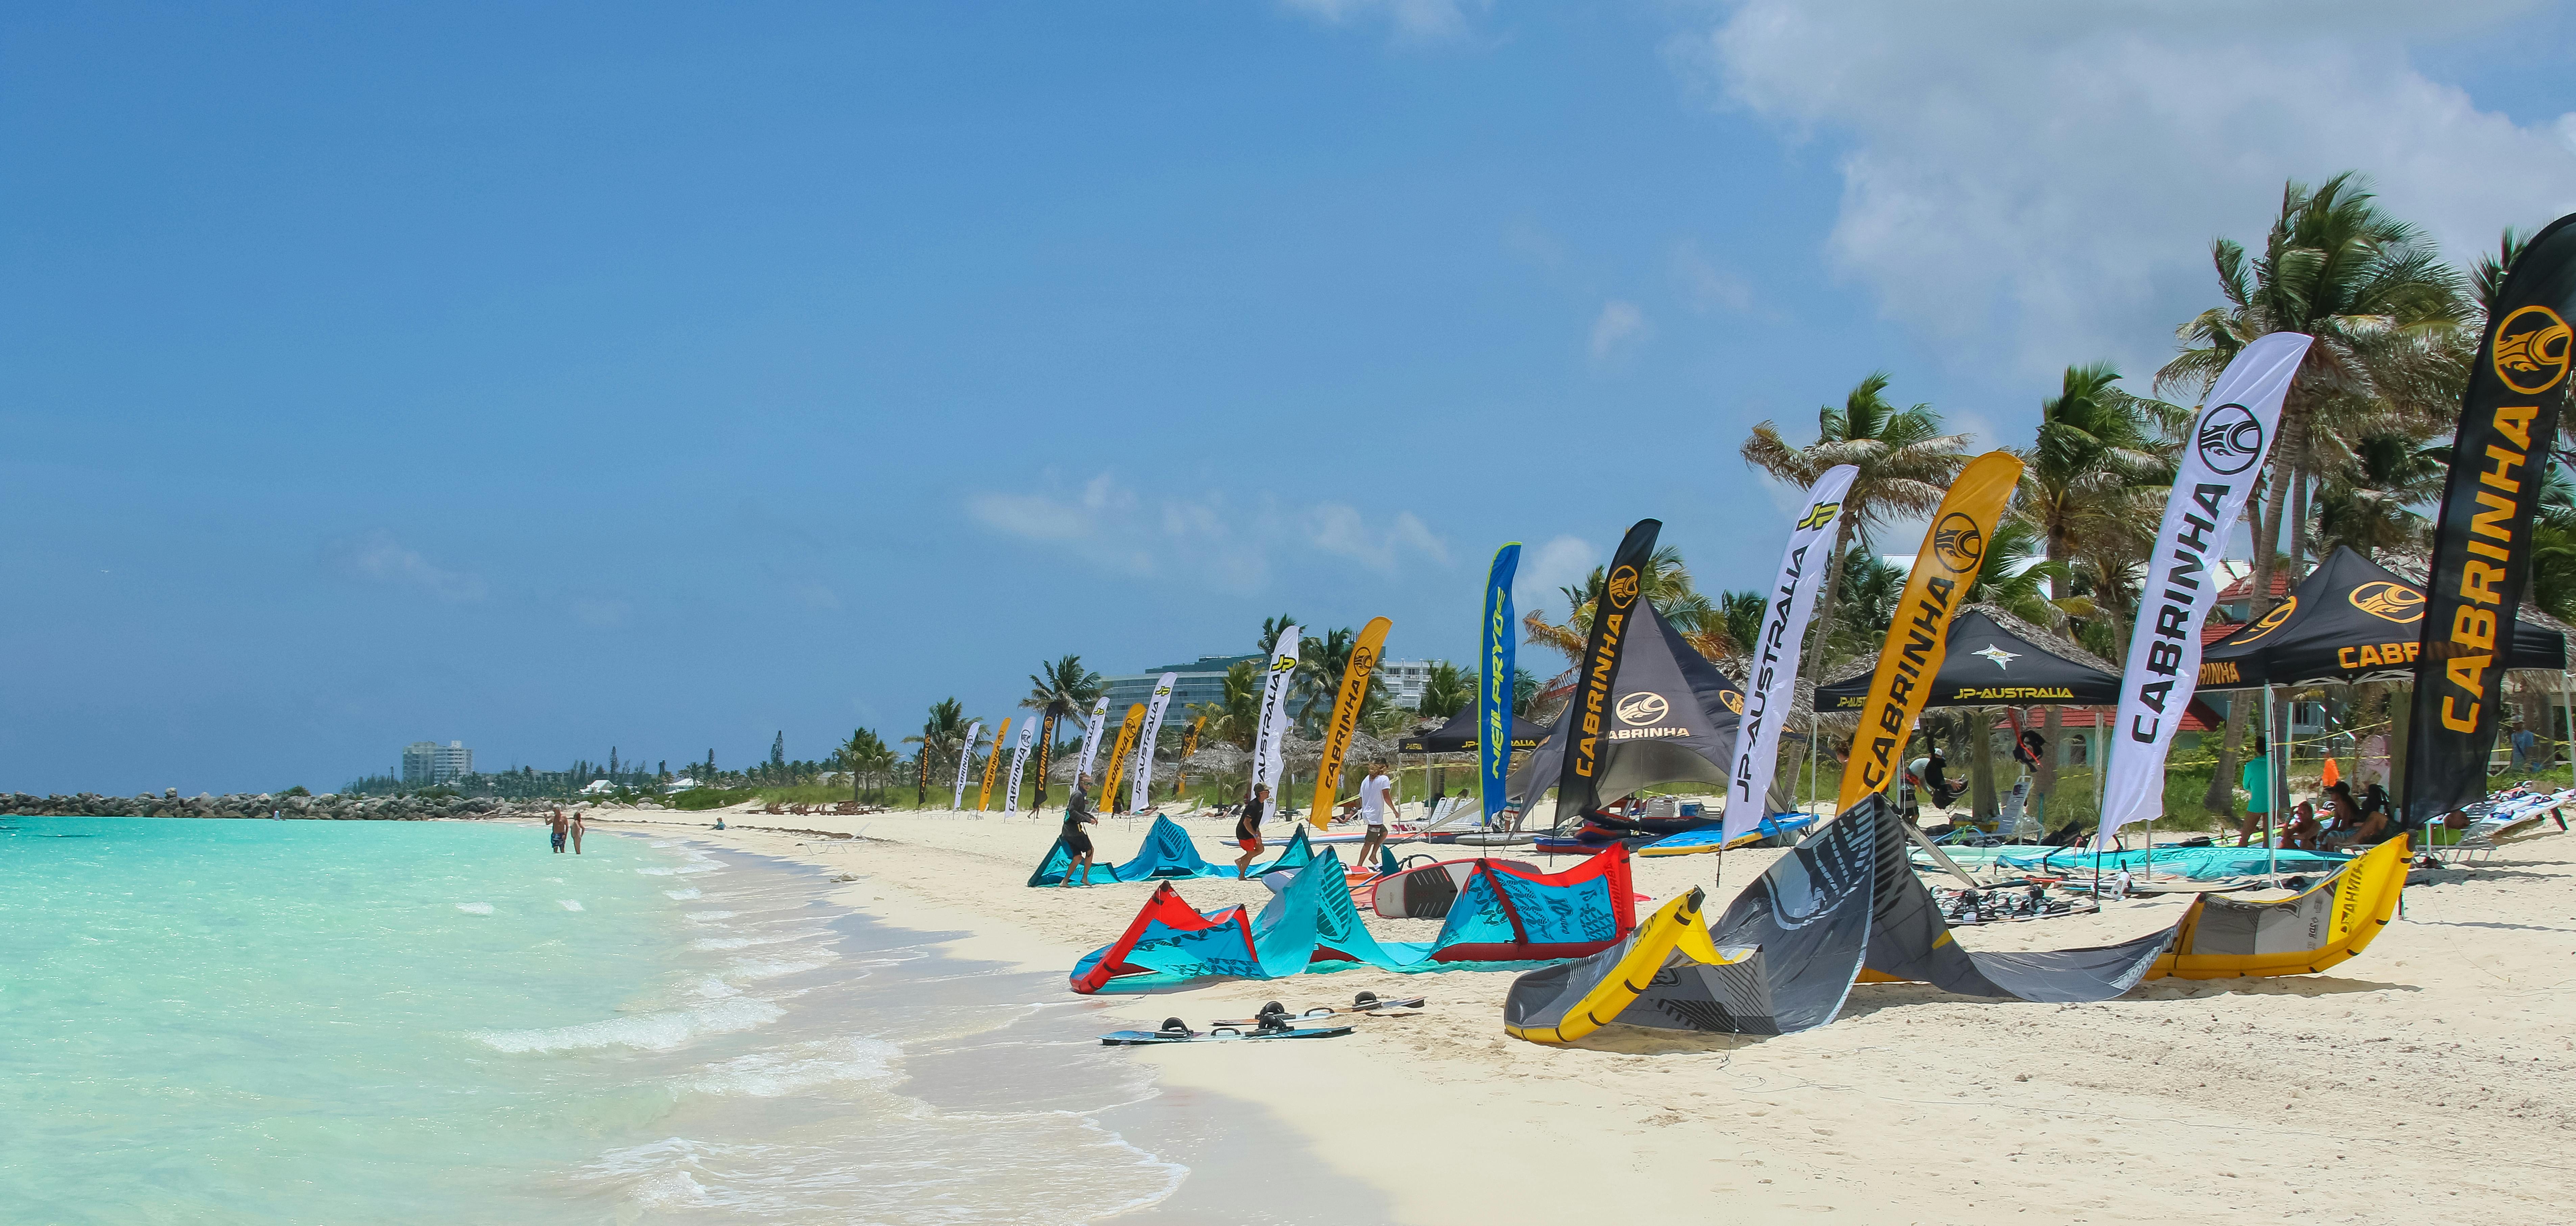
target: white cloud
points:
(2054, 173)
(1413, 20)
(1562, 562)
(1704, 285)
(1618, 331)
(378, 558)
(1340, 529)
(1204, 538)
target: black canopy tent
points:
(2352, 620)
(1994, 660)
(1459, 735)
(1671, 717)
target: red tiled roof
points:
(2213, 630)
(2244, 587)
(2198, 717)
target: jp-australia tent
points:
(1168, 855)
(2352, 620)
(1671, 717)
(1505, 914)
(1843, 908)
(1995, 660)
(1460, 734)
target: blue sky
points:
(560, 377)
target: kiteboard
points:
(1425, 891)
(1174, 1032)
(1366, 1004)
(1693, 842)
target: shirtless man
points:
(1247, 829)
(555, 824)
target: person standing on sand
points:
(555, 823)
(1377, 808)
(1077, 843)
(2257, 778)
(1247, 829)
(576, 832)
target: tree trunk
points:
(2052, 734)
(1981, 762)
(2299, 478)
(2267, 532)
(1822, 620)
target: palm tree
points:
(1906, 464)
(1272, 628)
(2553, 546)
(1447, 691)
(1741, 615)
(2367, 503)
(942, 738)
(1871, 590)
(1666, 584)
(1235, 718)
(2391, 349)
(2016, 574)
(866, 757)
(2391, 324)
(1060, 689)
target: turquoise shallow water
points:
(248, 1020)
(241, 1021)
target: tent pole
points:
(2273, 785)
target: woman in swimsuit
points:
(1077, 844)
(576, 832)
(1247, 829)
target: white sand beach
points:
(2432, 1079)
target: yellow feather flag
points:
(985, 797)
(1189, 745)
(1920, 638)
(1346, 716)
(1118, 753)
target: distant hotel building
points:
(425, 763)
(1203, 682)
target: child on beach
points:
(1077, 844)
(1247, 829)
(2257, 778)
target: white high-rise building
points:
(427, 762)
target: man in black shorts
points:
(1077, 844)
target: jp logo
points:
(2229, 439)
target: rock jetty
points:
(325, 807)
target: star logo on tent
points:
(2000, 656)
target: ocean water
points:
(246, 1021)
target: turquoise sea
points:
(211, 1021)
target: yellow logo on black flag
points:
(984, 796)
(1346, 716)
(2482, 541)
(1919, 640)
